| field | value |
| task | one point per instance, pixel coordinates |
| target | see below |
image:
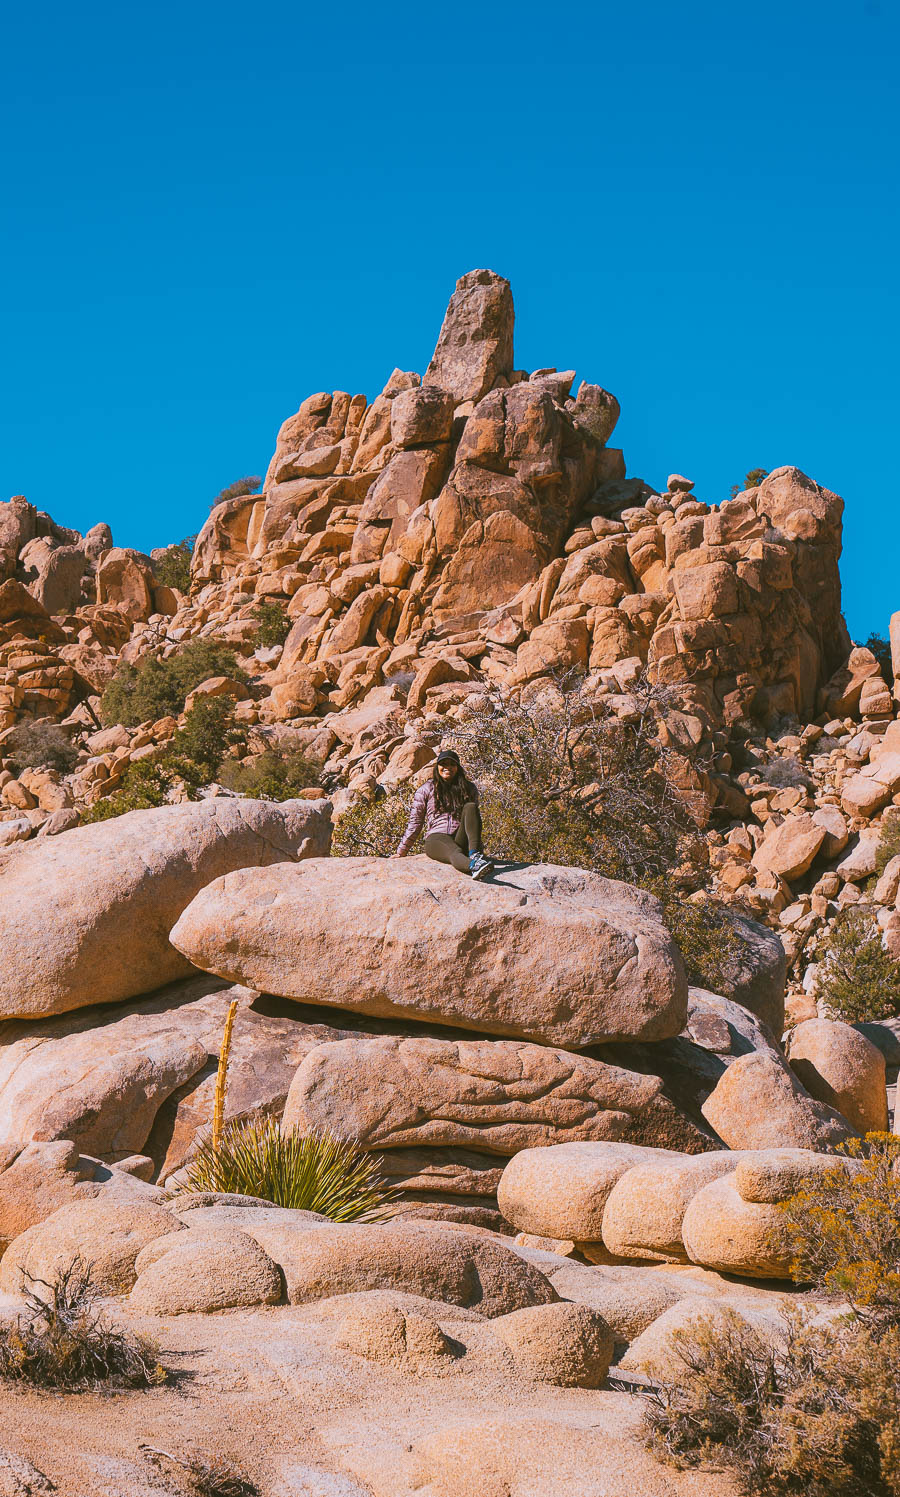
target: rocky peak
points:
(475, 349)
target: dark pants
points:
(446, 849)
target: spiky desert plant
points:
(304, 1171)
(218, 1121)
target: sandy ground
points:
(268, 1391)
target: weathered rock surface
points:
(554, 954)
(643, 1215)
(105, 1238)
(760, 1104)
(498, 1095)
(206, 1273)
(439, 1263)
(723, 1231)
(842, 1068)
(476, 341)
(565, 1344)
(84, 918)
(37, 1180)
(562, 1191)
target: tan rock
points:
(768, 1176)
(840, 1067)
(568, 1345)
(421, 416)
(455, 1265)
(385, 1333)
(643, 1215)
(628, 1298)
(556, 954)
(125, 578)
(476, 341)
(204, 1273)
(107, 1238)
(498, 1095)
(723, 1231)
(708, 591)
(789, 849)
(759, 1104)
(562, 1191)
(84, 917)
(40, 1178)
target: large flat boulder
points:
(85, 917)
(554, 954)
(500, 1095)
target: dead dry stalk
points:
(218, 1122)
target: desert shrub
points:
(856, 978)
(198, 748)
(274, 624)
(204, 1475)
(304, 1171)
(144, 786)
(237, 490)
(888, 841)
(277, 774)
(174, 569)
(845, 1229)
(704, 933)
(881, 649)
(64, 1341)
(564, 780)
(751, 481)
(190, 760)
(372, 828)
(818, 1417)
(40, 745)
(157, 688)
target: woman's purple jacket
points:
(423, 813)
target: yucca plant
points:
(304, 1171)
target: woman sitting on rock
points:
(447, 807)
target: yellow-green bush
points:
(857, 979)
(845, 1229)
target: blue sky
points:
(208, 211)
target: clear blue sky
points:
(210, 211)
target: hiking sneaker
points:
(479, 865)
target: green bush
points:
(191, 759)
(704, 933)
(145, 785)
(372, 828)
(752, 481)
(304, 1171)
(818, 1418)
(277, 774)
(888, 841)
(564, 780)
(237, 490)
(157, 688)
(174, 569)
(881, 649)
(40, 745)
(196, 751)
(856, 978)
(64, 1341)
(274, 624)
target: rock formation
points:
(555, 1108)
